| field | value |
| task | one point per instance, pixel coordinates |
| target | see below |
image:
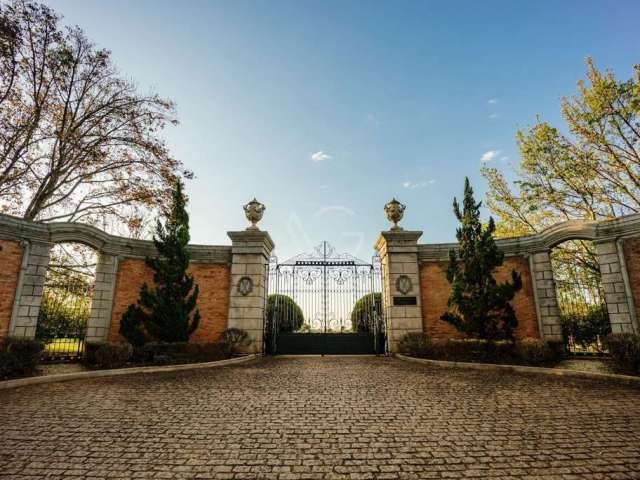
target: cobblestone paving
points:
(322, 418)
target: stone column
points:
(612, 281)
(401, 294)
(250, 252)
(26, 306)
(545, 296)
(100, 319)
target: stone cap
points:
(251, 242)
(397, 240)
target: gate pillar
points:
(401, 294)
(250, 252)
(28, 296)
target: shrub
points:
(235, 340)
(588, 329)
(366, 312)
(19, 357)
(525, 352)
(180, 352)
(284, 313)
(113, 355)
(414, 344)
(624, 349)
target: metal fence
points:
(583, 311)
(65, 309)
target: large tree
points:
(478, 305)
(78, 142)
(591, 171)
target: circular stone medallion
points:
(403, 284)
(245, 285)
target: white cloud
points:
(504, 159)
(320, 156)
(489, 156)
(422, 184)
(492, 101)
(493, 116)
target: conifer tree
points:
(166, 312)
(478, 305)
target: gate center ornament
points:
(394, 211)
(404, 284)
(254, 211)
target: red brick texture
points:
(631, 248)
(10, 259)
(213, 300)
(435, 292)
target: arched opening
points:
(66, 301)
(580, 296)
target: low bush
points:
(180, 352)
(113, 355)
(235, 340)
(624, 349)
(525, 352)
(19, 357)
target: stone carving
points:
(394, 211)
(245, 286)
(254, 211)
(404, 284)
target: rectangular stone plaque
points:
(401, 301)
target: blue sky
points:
(394, 99)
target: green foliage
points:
(479, 306)
(283, 312)
(19, 357)
(529, 351)
(366, 312)
(592, 173)
(154, 353)
(166, 312)
(624, 349)
(112, 355)
(235, 340)
(586, 330)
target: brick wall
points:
(435, 292)
(213, 300)
(10, 259)
(631, 247)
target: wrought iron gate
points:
(324, 303)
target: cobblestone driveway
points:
(322, 418)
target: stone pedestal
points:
(401, 294)
(250, 252)
(26, 307)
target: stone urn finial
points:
(253, 211)
(394, 211)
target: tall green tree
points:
(167, 312)
(478, 305)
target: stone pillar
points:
(401, 294)
(545, 296)
(100, 319)
(615, 293)
(250, 252)
(26, 306)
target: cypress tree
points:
(168, 311)
(478, 305)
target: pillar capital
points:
(250, 242)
